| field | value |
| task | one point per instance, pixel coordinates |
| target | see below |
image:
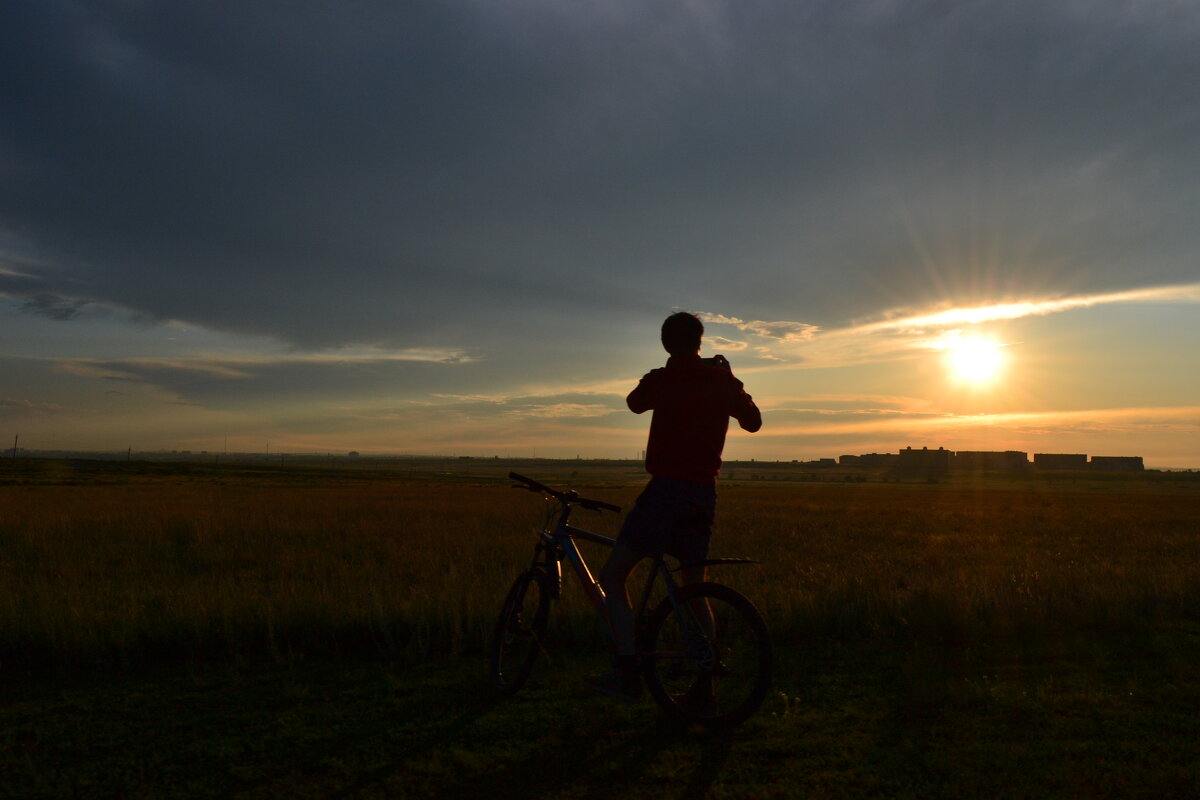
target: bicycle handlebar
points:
(568, 498)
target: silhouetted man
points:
(692, 399)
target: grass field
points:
(202, 630)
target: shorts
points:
(671, 516)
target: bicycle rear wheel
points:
(715, 674)
(517, 638)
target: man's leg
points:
(699, 697)
(701, 608)
(612, 579)
(701, 507)
(624, 680)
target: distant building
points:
(926, 461)
(990, 460)
(877, 459)
(923, 460)
(1117, 463)
(1060, 460)
(867, 460)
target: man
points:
(692, 399)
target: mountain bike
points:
(680, 647)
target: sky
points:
(456, 227)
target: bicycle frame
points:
(559, 544)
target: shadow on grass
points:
(609, 759)
(443, 736)
(476, 703)
(714, 754)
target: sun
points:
(975, 361)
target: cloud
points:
(764, 353)
(11, 276)
(234, 367)
(560, 425)
(853, 403)
(54, 307)
(20, 407)
(410, 176)
(554, 405)
(271, 383)
(144, 368)
(975, 315)
(718, 319)
(563, 411)
(783, 331)
(778, 333)
(721, 343)
(92, 369)
(845, 413)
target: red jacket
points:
(693, 400)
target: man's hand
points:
(719, 361)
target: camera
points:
(717, 361)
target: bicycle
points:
(679, 647)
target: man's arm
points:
(744, 410)
(643, 397)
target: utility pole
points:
(16, 438)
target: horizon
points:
(351, 454)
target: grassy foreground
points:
(864, 721)
(264, 633)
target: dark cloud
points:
(60, 308)
(230, 385)
(12, 409)
(459, 172)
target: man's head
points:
(681, 334)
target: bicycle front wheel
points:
(517, 639)
(708, 656)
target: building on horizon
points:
(923, 460)
(1060, 460)
(820, 463)
(926, 460)
(1117, 463)
(876, 460)
(990, 460)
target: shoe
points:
(698, 700)
(616, 683)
